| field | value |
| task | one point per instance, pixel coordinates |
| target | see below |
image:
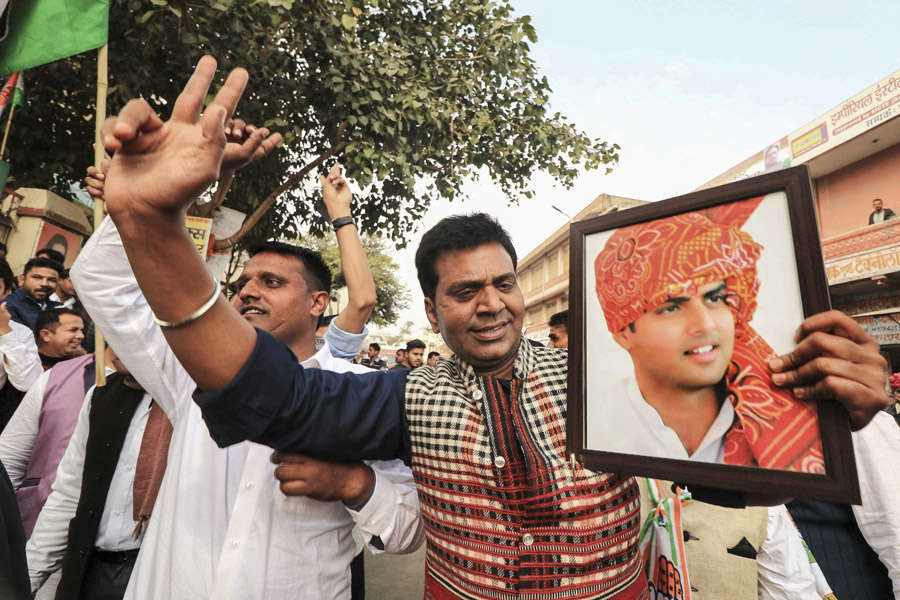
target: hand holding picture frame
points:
(675, 309)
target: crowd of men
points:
(163, 483)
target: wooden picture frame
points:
(641, 255)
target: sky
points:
(688, 89)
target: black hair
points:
(41, 262)
(560, 318)
(316, 272)
(49, 319)
(3, 246)
(52, 254)
(376, 346)
(459, 232)
(433, 353)
(6, 274)
(325, 320)
(415, 344)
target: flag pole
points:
(12, 110)
(99, 345)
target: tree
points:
(414, 97)
(391, 296)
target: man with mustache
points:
(39, 281)
(507, 513)
(239, 536)
(35, 438)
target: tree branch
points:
(263, 208)
(209, 209)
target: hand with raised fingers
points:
(835, 360)
(160, 167)
(245, 143)
(350, 482)
(336, 193)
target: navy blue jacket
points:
(25, 309)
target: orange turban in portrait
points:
(643, 265)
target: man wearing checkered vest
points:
(507, 516)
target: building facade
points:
(544, 272)
(853, 155)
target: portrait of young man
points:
(679, 295)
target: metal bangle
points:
(194, 315)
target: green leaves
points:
(391, 295)
(432, 93)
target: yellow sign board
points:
(200, 230)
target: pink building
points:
(853, 154)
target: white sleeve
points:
(21, 360)
(17, 440)
(47, 545)
(108, 290)
(877, 449)
(392, 511)
(783, 568)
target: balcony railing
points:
(862, 239)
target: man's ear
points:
(45, 335)
(624, 339)
(431, 313)
(320, 302)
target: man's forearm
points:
(360, 283)
(175, 282)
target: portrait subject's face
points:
(685, 343)
(478, 306)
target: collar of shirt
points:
(711, 449)
(321, 359)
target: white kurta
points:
(47, 545)
(877, 450)
(221, 528)
(20, 362)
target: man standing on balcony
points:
(880, 214)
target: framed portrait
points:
(57, 238)
(675, 308)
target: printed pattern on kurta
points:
(506, 514)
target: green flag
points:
(41, 31)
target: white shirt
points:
(631, 426)
(221, 528)
(783, 568)
(47, 545)
(877, 450)
(68, 303)
(17, 440)
(20, 362)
